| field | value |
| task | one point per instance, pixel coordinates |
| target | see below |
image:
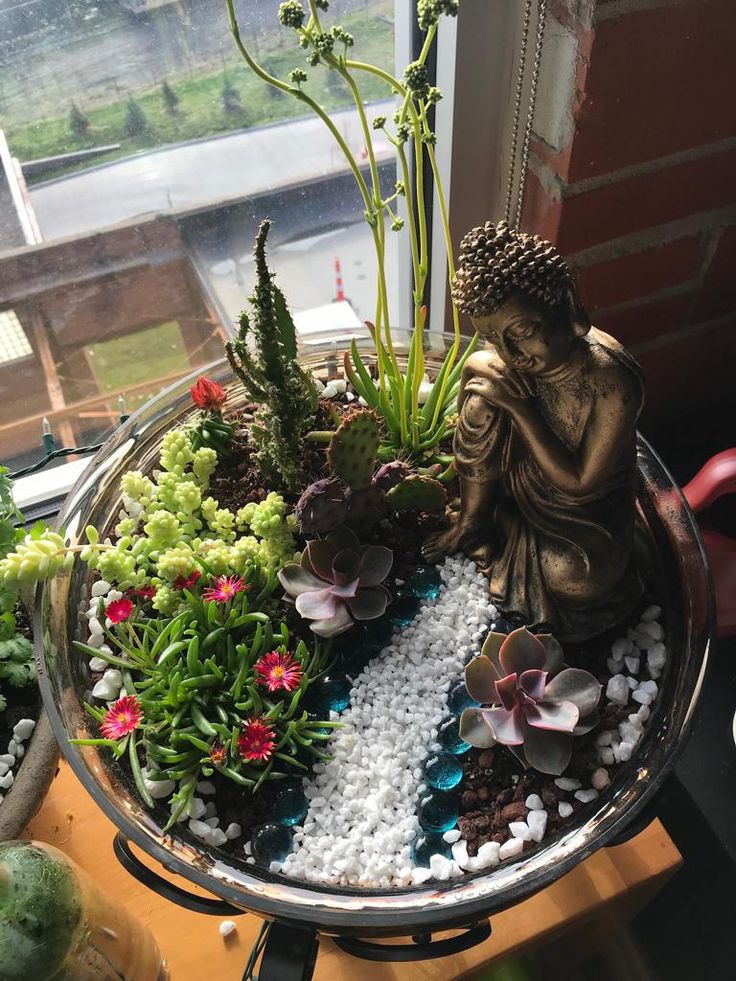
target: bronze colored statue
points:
(545, 446)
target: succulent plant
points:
(417, 493)
(391, 474)
(264, 356)
(338, 582)
(529, 701)
(351, 455)
(322, 507)
(354, 495)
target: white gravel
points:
(362, 804)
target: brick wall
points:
(633, 175)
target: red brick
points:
(694, 374)
(638, 273)
(636, 203)
(540, 214)
(647, 320)
(659, 81)
(718, 291)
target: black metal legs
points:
(290, 953)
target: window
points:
(14, 343)
(139, 154)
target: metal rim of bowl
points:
(355, 911)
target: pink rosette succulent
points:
(338, 581)
(529, 701)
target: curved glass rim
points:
(356, 911)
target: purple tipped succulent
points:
(338, 581)
(529, 701)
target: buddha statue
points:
(545, 445)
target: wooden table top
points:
(194, 949)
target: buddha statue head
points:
(521, 297)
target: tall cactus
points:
(263, 355)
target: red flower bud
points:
(207, 394)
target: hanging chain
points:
(524, 162)
(517, 108)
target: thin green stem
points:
(297, 93)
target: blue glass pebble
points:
(379, 634)
(426, 582)
(449, 737)
(438, 812)
(425, 846)
(458, 699)
(271, 843)
(443, 771)
(403, 609)
(334, 693)
(290, 804)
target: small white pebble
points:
(6, 782)
(651, 613)
(568, 783)
(600, 778)
(199, 829)
(460, 853)
(605, 754)
(520, 829)
(643, 697)
(99, 588)
(205, 787)
(13, 748)
(586, 796)
(8, 758)
(23, 729)
(233, 831)
(420, 875)
(564, 809)
(632, 663)
(534, 803)
(216, 837)
(488, 854)
(452, 836)
(652, 629)
(227, 927)
(196, 808)
(620, 648)
(441, 867)
(617, 690)
(511, 848)
(97, 664)
(4, 767)
(537, 821)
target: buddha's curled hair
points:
(495, 260)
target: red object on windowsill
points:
(716, 479)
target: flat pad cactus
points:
(417, 493)
(352, 452)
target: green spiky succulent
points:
(264, 356)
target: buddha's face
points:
(526, 336)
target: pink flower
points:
(122, 717)
(218, 755)
(186, 582)
(207, 394)
(224, 589)
(256, 744)
(119, 610)
(277, 671)
(144, 592)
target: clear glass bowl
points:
(685, 593)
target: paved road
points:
(198, 174)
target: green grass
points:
(201, 113)
(119, 359)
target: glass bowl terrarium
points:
(272, 661)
